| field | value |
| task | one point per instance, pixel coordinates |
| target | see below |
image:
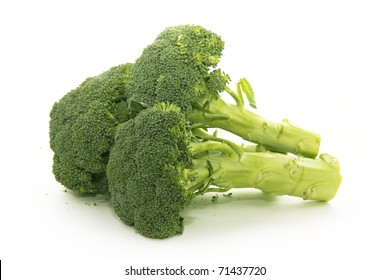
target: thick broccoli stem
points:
(281, 137)
(273, 173)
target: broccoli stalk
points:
(281, 137)
(159, 163)
(222, 165)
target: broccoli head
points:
(148, 171)
(159, 163)
(82, 130)
(175, 68)
(179, 67)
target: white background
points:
(323, 64)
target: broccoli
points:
(179, 67)
(159, 162)
(82, 130)
(142, 137)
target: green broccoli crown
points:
(149, 169)
(82, 129)
(175, 68)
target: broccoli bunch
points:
(141, 136)
(158, 164)
(82, 130)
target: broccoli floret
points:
(82, 130)
(147, 169)
(179, 67)
(159, 163)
